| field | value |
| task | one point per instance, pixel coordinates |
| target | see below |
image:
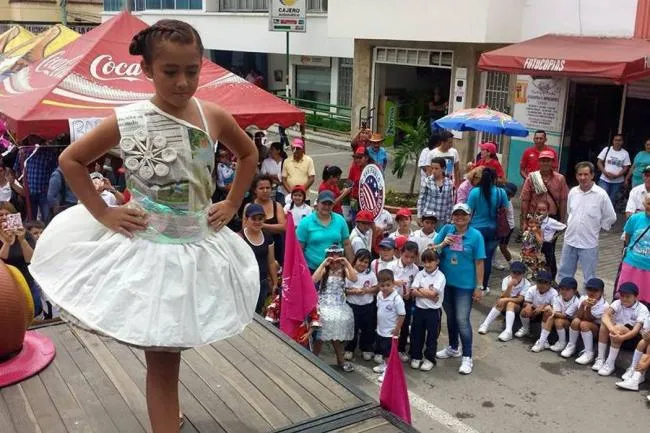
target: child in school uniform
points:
(403, 218)
(400, 241)
(362, 233)
(297, 206)
(404, 272)
(587, 319)
(386, 256)
(513, 288)
(564, 307)
(635, 374)
(621, 322)
(537, 302)
(424, 236)
(360, 295)
(428, 290)
(390, 317)
(551, 228)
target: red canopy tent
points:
(94, 74)
(618, 59)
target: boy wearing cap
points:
(424, 237)
(386, 256)
(538, 302)
(622, 321)
(361, 235)
(635, 374)
(565, 306)
(298, 170)
(403, 218)
(591, 308)
(513, 288)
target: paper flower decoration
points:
(147, 156)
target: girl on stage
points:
(162, 273)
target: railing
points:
(320, 115)
(315, 6)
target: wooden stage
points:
(256, 382)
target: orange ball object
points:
(21, 284)
(13, 306)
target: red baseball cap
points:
(299, 188)
(400, 241)
(360, 150)
(490, 147)
(403, 212)
(546, 154)
(364, 216)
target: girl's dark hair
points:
(279, 147)
(430, 255)
(144, 43)
(260, 178)
(487, 182)
(361, 255)
(331, 171)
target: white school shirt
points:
(636, 199)
(646, 323)
(365, 280)
(519, 290)
(629, 315)
(568, 308)
(588, 212)
(388, 310)
(549, 227)
(396, 233)
(430, 281)
(404, 273)
(384, 220)
(298, 212)
(423, 240)
(360, 240)
(598, 309)
(616, 161)
(379, 265)
(537, 299)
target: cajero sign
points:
(288, 16)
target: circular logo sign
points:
(288, 2)
(372, 191)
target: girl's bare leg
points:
(318, 345)
(338, 350)
(162, 390)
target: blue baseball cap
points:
(629, 287)
(595, 283)
(569, 283)
(544, 276)
(517, 267)
(254, 209)
(387, 243)
(326, 195)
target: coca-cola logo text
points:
(104, 68)
(56, 65)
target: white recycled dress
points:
(175, 285)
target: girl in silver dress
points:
(336, 315)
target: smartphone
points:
(13, 222)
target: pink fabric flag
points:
(393, 395)
(299, 296)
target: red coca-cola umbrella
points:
(94, 74)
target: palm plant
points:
(415, 139)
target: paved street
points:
(511, 389)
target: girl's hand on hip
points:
(124, 220)
(221, 213)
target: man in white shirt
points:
(589, 210)
(637, 195)
(613, 162)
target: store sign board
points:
(288, 16)
(324, 62)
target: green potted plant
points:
(407, 151)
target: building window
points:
(496, 96)
(313, 84)
(317, 6)
(345, 83)
(112, 5)
(243, 5)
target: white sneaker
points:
(403, 357)
(558, 346)
(379, 368)
(483, 329)
(448, 352)
(466, 365)
(485, 291)
(348, 356)
(628, 373)
(607, 369)
(631, 383)
(505, 336)
(522, 332)
(598, 364)
(378, 358)
(539, 346)
(367, 356)
(568, 351)
(427, 365)
(415, 364)
(585, 358)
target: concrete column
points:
(334, 83)
(362, 67)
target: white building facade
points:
(236, 35)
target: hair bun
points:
(135, 47)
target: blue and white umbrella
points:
(483, 120)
